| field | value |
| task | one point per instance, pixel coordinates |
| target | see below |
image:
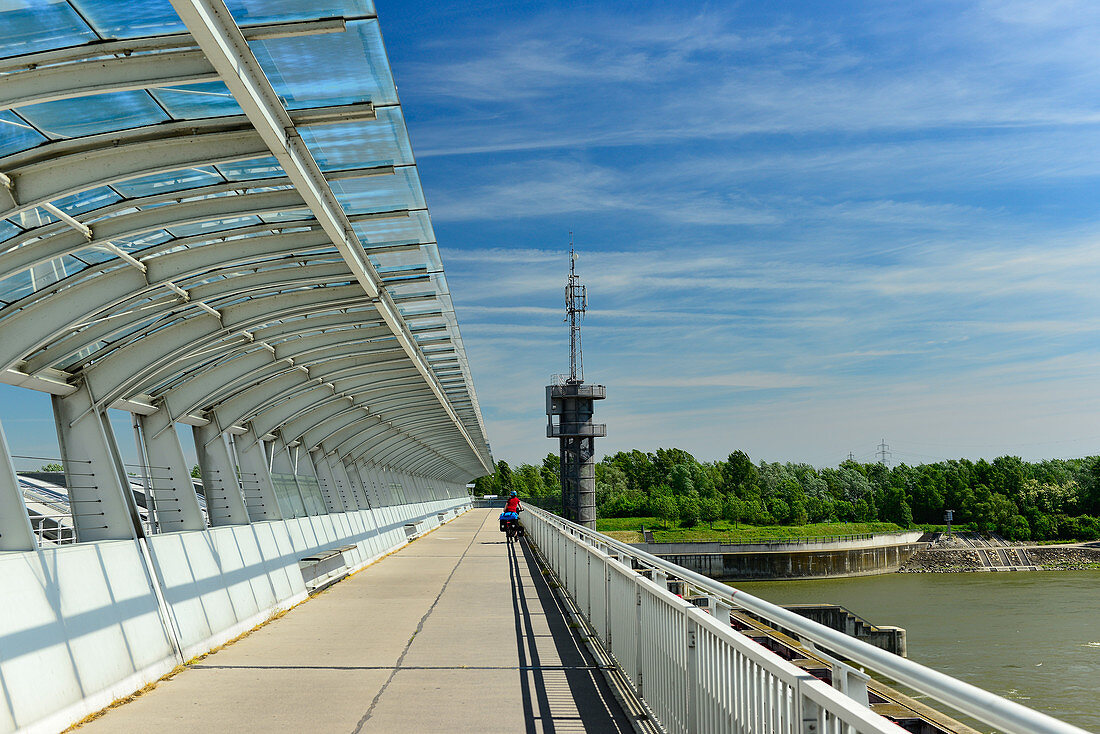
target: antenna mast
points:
(576, 302)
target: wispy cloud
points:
(799, 230)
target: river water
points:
(1033, 637)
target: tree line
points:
(1043, 500)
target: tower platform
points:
(456, 632)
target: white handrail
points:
(1008, 716)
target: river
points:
(1033, 637)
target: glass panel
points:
(102, 113)
(414, 228)
(33, 218)
(291, 216)
(311, 493)
(16, 286)
(93, 255)
(116, 19)
(257, 168)
(380, 193)
(16, 135)
(216, 225)
(8, 230)
(269, 11)
(303, 72)
(40, 276)
(357, 144)
(41, 25)
(145, 241)
(287, 495)
(160, 183)
(196, 101)
(86, 201)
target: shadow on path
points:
(570, 694)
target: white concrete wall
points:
(82, 625)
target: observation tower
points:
(569, 411)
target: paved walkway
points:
(456, 632)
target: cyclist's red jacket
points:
(513, 505)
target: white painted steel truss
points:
(215, 268)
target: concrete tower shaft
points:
(569, 411)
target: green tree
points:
(710, 509)
(679, 480)
(505, 479)
(780, 510)
(733, 509)
(689, 509)
(486, 485)
(196, 472)
(52, 468)
(738, 473)
(895, 508)
(663, 506)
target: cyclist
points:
(513, 504)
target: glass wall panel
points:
(311, 493)
(287, 495)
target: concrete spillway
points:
(820, 559)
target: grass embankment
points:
(629, 530)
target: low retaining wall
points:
(82, 625)
(820, 561)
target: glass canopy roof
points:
(139, 200)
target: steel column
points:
(102, 502)
(16, 533)
(171, 487)
(258, 489)
(224, 501)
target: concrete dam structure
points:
(825, 558)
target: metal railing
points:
(576, 429)
(566, 389)
(698, 674)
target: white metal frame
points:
(699, 675)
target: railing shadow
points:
(591, 699)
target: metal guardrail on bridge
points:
(697, 674)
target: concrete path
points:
(456, 632)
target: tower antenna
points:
(569, 413)
(576, 303)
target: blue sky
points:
(804, 226)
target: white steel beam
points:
(166, 42)
(213, 27)
(99, 76)
(62, 168)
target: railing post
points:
(607, 603)
(809, 712)
(691, 661)
(638, 634)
